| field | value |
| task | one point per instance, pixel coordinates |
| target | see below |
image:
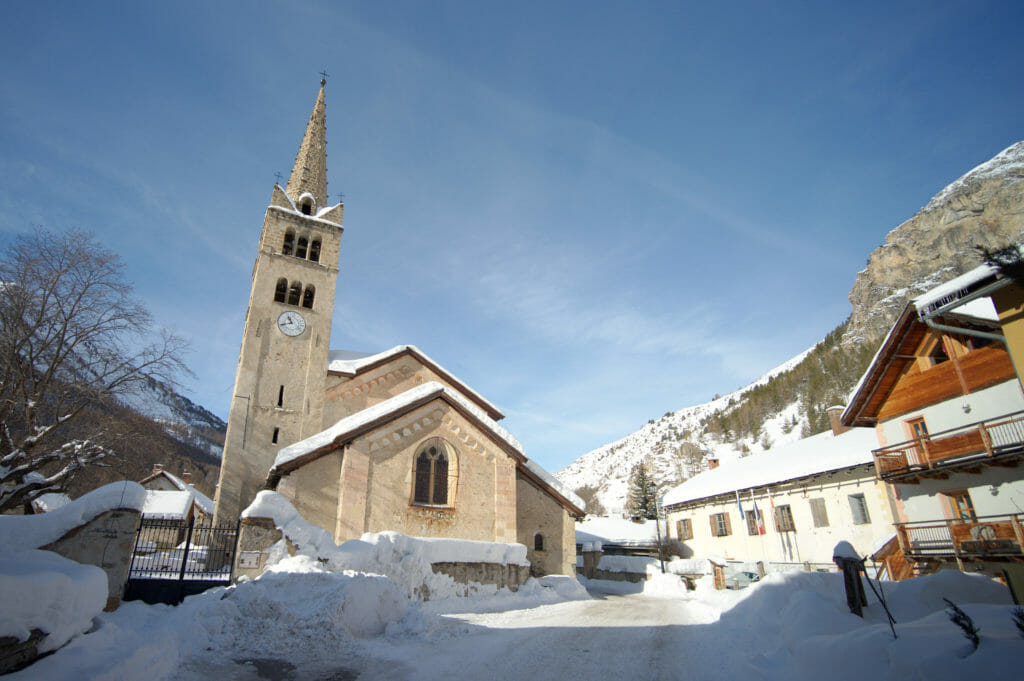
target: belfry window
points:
(431, 479)
(307, 297)
(314, 250)
(300, 251)
(281, 291)
(307, 207)
(294, 293)
(289, 243)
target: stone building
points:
(367, 442)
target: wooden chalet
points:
(945, 400)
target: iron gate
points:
(177, 558)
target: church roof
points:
(348, 363)
(292, 457)
(309, 174)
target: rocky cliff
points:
(985, 207)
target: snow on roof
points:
(616, 531)
(350, 363)
(402, 401)
(165, 505)
(33, 531)
(815, 454)
(953, 289)
(204, 502)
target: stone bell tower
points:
(282, 367)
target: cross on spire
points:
(323, 77)
(277, 176)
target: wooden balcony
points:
(995, 537)
(995, 442)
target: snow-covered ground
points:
(303, 622)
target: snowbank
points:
(45, 591)
(405, 560)
(33, 531)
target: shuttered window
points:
(784, 519)
(818, 513)
(720, 526)
(684, 528)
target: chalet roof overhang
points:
(497, 435)
(896, 352)
(374, 361)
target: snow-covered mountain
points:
(182, 418)
(983, 208)
(677, 445)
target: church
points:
(363, 442)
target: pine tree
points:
(643, 494)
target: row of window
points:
(721, 525)
(302, 247)
(294, 294)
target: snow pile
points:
(405, 560)
(797, 623)
(162, 505)
(33, 531)
(45, 591)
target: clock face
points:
(291, 323)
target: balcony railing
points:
(994, 536)
(982, 440)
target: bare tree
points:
(72, 337)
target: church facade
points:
(368, 442)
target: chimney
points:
(712, 464)
(186, 477)
(834, 416)
(158, 468)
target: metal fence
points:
(174, 558)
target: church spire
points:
(309, 174)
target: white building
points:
(789, 505)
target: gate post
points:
(184, 559)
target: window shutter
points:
(714, 527)
(728, 525)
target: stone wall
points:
(509, 577)
(106, 541)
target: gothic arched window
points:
(430, 484)
(307, 296)
(289, 242)
(295, 293)
(281, 291)
(314, 250)
(300, 250)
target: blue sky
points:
(592, 212)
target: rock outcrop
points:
(985, 207)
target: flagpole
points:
(761, 531)
(743, 524)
